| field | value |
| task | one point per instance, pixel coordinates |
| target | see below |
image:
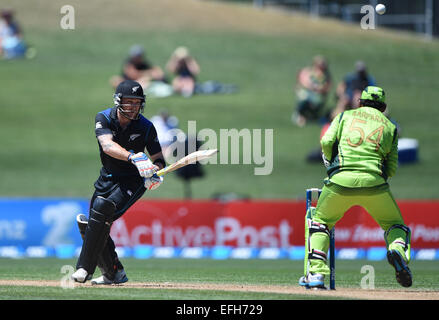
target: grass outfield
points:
(187, 279)
(49, 103)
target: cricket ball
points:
(380, 8)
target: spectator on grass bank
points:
(137, 68)
(12, 44)
(185, 68)
(164, 123)
(312, 87)
(349, 90)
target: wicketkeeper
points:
(360, 151)
(127, 172)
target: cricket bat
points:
(189, 159)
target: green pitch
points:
(210, 277)
(49, 102)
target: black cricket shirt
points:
(136, 137)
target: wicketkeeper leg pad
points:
(398, 237)
(398, 252)
(316, 245)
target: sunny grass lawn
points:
(48, 144)
(252, 272)
(278, 272)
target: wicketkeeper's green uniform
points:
(360, 151)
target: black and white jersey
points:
(136, 137)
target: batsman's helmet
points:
(129, 89)
(374, 97)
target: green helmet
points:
(373, 97)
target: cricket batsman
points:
(124, 136)
(360, 153)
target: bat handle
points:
(161, 172)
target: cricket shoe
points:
(81, 275)
(121, 277)
(313, 281)
(402, 271)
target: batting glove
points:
(144, 165)
(153, 183)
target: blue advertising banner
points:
(40, 222)
(47, 228)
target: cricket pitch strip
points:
(342, 293)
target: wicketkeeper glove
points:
(144, 165)
(325, 161)
(153, 183)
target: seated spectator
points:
(185, 68)
(11, 38)
(313, 84)
(136, 67)
(349, 90)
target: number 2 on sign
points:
(370, 138)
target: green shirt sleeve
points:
(392, 158)
(330, 137)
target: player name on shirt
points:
(370, 116)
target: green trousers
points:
(378, 201)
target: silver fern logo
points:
(134, 136)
